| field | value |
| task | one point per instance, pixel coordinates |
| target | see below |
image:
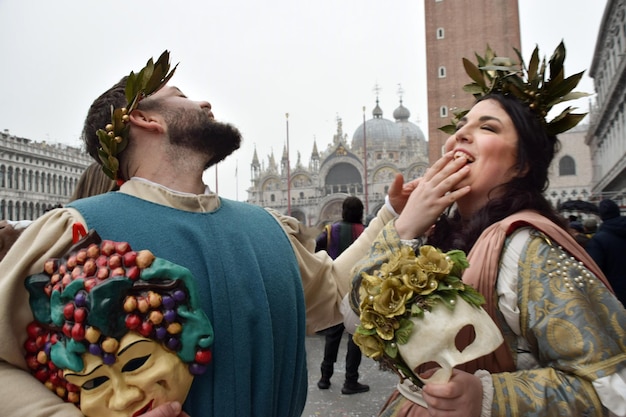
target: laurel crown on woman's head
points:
(495, 74)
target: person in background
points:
(564, 350)
(608, 246)
(9, 232)
(260, 298)
(589, 227)
(336, 238)
(578, 231)
(93, 181)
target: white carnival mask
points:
(433, 338)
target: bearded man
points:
(261, 299)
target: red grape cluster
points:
(38, 360)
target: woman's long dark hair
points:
(535, 151)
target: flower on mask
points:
(370, 345)
(391, 302)
(384, 326)
(404, 287)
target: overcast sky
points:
(253, 61)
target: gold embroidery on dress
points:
(565, 316)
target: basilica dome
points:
(382, 133)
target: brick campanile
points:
(457, 29)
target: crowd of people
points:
(607, 245)
(564, 350)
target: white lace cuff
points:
(414, 243)
(485, 379)
(389, 206)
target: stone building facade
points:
(607, 128)
(570, 174)
(36, 176)
(318, 190)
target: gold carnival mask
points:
(116, 332)
(143, 376)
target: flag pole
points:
(288, 168)
(365, 164)
(216, 182)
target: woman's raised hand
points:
(399, 192)
(431, 195)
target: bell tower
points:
(456, 30)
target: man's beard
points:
(196, 131)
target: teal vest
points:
(249, 285)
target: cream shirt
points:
(325, 282)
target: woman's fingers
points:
(431, 195)
(438, 166)
(450, 174)
(461, 396)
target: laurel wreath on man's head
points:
(114, 137)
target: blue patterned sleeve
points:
(575, 328)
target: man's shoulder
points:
(614, 227)
(97, 198)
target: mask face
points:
(433, 339)
(144, 375)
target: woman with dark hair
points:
(532, 155)
(564, 332)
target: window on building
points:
(567, 166)
(17, 178)
(441, 72)
(443, 111)
(440, 33)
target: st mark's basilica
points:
(317, 191)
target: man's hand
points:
(173, 409)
